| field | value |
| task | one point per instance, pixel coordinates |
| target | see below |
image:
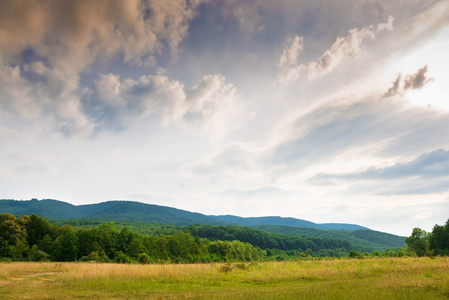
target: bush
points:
(354, 254)
(144, 259)
(96, 256)
(38, 255)
(122, 258)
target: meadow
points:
(381, 278)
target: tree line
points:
(32, 238)
(422, 243)
(268, 240)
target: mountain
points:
(107, 211)
(292, 222)
(141, 212)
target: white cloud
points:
(290, 55)
(344, 50)
(112, 104)
(386, 26)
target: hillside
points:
(141, 212)
(363, 240)
(362, 237)
(154, 219)
(279, 221)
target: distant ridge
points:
(142, 212)
(291, 222)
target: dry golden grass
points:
(399, 278)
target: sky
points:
(327, 111)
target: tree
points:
(418, 242)
(37, 255)
(11, 230)
(136, 247)
(66, 247)
(439, 239)
(37, 228)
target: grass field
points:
(386, 278)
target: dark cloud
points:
(417, 80)
(394, 89)
(47, 47)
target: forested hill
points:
(362, 237)
(292, 222)
(141, 212)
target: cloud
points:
(427, 23)
(415, 81)
(332, 129)
(204, 101)
(48, 46)
(71, 34)
(394, 89)
(348, 133)
(112, 104)
(290, 55)
(386, 26)
(235, 161)
(263, 192)
(343, 50)
(426, 166)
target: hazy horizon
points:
(326, 111)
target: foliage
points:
(422, 243)
(418, 241)
(267, 240)
(104, 243)
(439, 239)
(35, 239)
(362, 240)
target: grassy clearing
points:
(399, 278)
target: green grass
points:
(399, 278)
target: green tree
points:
(439, 239)
(37, 228)
(66, 248)
(418, 242)
(38, 255)
(11, 230)
(121, 258)
(136, 247)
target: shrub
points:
(143, 258)
(121, 258)
(38, 255)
